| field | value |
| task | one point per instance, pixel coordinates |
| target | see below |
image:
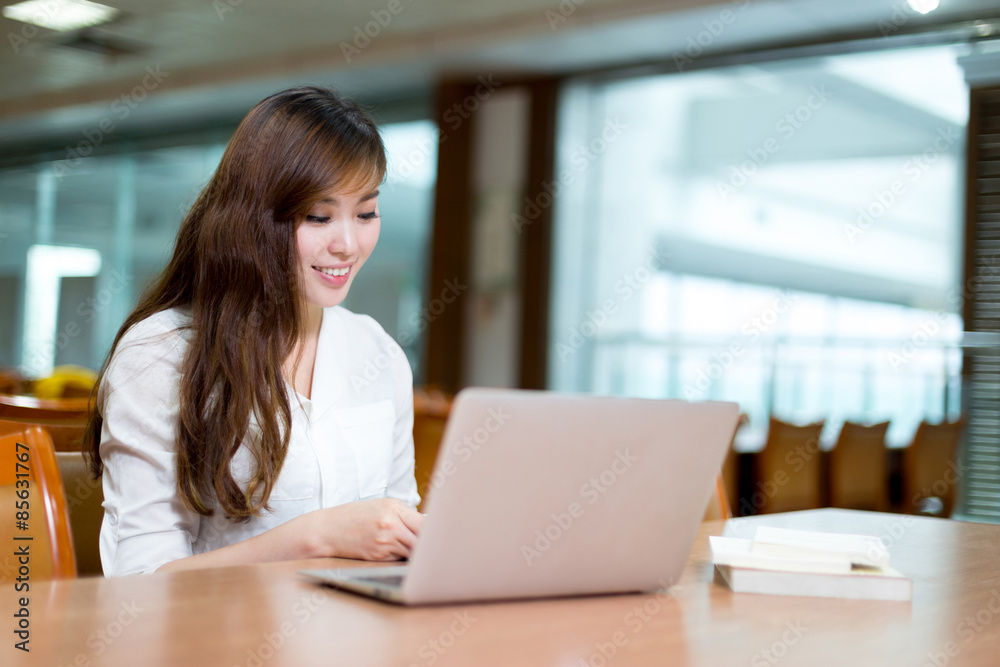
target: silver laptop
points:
(539, 494)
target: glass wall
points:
(784, 235)
(79, 240)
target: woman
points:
(235, 423)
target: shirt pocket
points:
(368, 431)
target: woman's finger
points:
(412, 519)
(406, 538)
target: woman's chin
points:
(328, 300)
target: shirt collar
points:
(329, 380)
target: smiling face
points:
(334, 241)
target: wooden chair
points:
(930, 470)
(64, 419)
(721, 506)
(788, 469)
(85, 502)
(47, 520)
(430, 412)
(858, 468)
(718, 505)
(66, 434)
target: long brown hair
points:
(235, 266)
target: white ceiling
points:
(226, 55)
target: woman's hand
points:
(380, 529)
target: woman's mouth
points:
(336, 276)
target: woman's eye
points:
(317, 218)
(369, 216)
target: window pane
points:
(784, 235)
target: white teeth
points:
(335, 272)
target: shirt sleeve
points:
(145, 523)
(402, 482)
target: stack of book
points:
(798, 562)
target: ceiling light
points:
(923, 6)
(61, 15)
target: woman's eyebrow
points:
(333, 200)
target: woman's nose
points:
(343, 237)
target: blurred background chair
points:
(788, 469)
(858, 473)
(84, 501)
(66, 434)
(930, 469)
(723, 502)
(430, 412)
(718, 505)
(731, 468)
(48, 523)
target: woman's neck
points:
(299, 365)
(312, 321)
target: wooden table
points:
(268, 615)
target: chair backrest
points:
(718, 505)
(30, 483)
(430, 413)
(721, 505)
(858, 468)
(930, 469)
(84, 500)
(66, 434)
(788, 470)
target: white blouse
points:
(352, 441)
